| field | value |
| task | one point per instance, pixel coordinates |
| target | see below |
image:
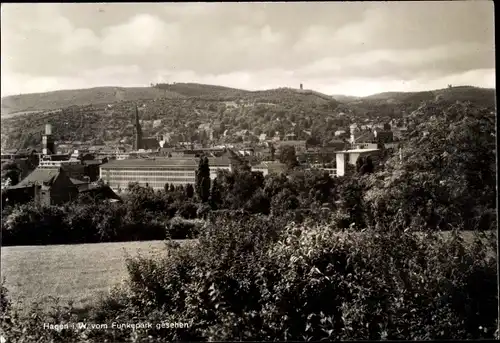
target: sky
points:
(335, 48)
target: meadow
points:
(78, 273)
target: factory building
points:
(157, 172)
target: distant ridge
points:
(103, 95)
(458, 93)
(80, 97)
(312, 92)
(345, 98)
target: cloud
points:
(139, 35)
(453, 57)
(78, 39)
(250, 45)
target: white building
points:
(157, 172)
(350, 157)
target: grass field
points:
(69, 272)
(75, 272)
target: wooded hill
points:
(104, 114)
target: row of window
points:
(154, 185)
(152, 177)
(147, 179)
(160, 169)
(147, 173)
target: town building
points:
(25, 160)
(332, 172)
(269, 167)
(156, 172)
(371, 139)
(81, 169)
(46, 186)
(350, 157)
(300, 146)
(53, 186)
(322, 155)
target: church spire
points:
(138, 131)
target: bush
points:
(187, 210)
(252, 279)
(180, 228)
(31, 225)
(76, 223)
(21, 328)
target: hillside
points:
(108, 95)
(80, 97)
(199, 89)
(283, 110)
(461, 93)
(345, 98)
(182, 109)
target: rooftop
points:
(165, 162)
(267, 164)
(357, 151)
(39, 175)
(292, 142)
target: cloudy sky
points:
(335, 48)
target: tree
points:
(288, 157)
(359, 163)
(446, 178)
(284, 202)
(367, 167)
(189, 191)
(258, 203)
(312, 141)
(350, 194)
(239, 162)
(272, 150)
(215, 195)
(203, 179)
(11, 172)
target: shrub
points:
(187, 210)
(180, 228)
(21, 328)
(30, 225)
(250, 278)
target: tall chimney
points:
(48, 129)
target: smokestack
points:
(48, 129)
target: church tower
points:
(138, 131)
(48, 141)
